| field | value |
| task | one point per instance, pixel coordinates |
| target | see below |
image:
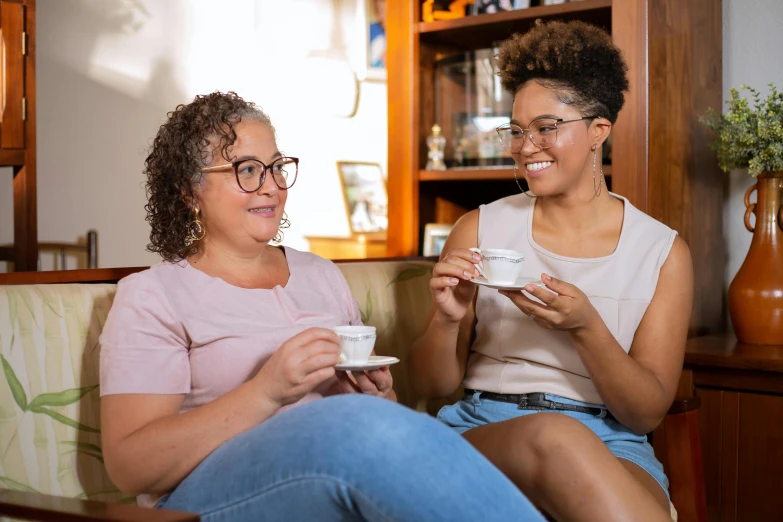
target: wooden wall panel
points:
(685, 185)
(403, 84)
(629, 140)
(710, 422)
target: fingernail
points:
(547, 278)
(529, 288)
(476, 257)
(454, 281)
(466, 274)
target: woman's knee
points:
(553, 436)
(359, 422)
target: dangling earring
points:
(196, 230)
(601, 180)
(520, 186)
(284, 223)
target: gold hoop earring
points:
(597, 192)
(516, 169)
(284, 223)
(196, 229)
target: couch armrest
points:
(35, 506)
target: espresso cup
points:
(499, 266)
(356, 343)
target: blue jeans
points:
(350, 457)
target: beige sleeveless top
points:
(511, 353)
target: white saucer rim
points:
(375, 361)
(481, 280)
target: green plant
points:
(749, 137)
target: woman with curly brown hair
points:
(563, 379)
(212, 361)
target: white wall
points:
(108, 71)
(752, 54)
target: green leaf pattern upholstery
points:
(49, 399)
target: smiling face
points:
(567, 166)
(235, 220)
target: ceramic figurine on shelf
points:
(460, 147)
(437, 145)
(432, 10)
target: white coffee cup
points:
(499, 266)
(356, 343)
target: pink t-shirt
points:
(174, 329)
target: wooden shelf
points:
(723, 351)
(478, 174)
(479, 31)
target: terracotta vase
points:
(756, 293)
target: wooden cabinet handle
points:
(3, 73)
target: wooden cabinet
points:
(12, 86)
(17, 125)
(660, 159)
(741, 427)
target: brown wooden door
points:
(12, 77)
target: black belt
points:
(537, 401)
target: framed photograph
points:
(435, 235)
(366, 201)
(370, 52)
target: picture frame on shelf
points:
(364, 193)
(370, 47)
(435, 235)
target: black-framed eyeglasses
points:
(251, 173)
(541, 131)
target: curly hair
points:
(186, 143)
(575, 59)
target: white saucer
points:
(518, 285)
(373, 363)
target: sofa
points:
(50, 442)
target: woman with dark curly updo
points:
(566, 368)
(212, 361)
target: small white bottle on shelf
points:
(437, 145)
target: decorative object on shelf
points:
(460, 146)
(497, 6)
(435, 235)
(369, 54)
(432, 10)
(751, 138)
(471, 103)
(756, 292)
(437, 145)
(364, 192)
